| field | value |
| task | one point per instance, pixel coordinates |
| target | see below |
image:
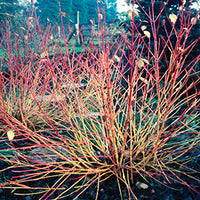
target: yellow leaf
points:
(117, 59)
(130, 14)
(26, 37)
(184, 1)
(140, 63)
(144, 80)
(145, 60)
(22, 28)
(173, 18)
(64, 14)
(43, 54)
(193, 20)
(143, 27)
(147, 34)
(31, 25)
(17, 34)
(10, 135)
(30, 18)
(136, 11)
(100, 16)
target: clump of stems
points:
(89, 116)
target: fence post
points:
(77, 29)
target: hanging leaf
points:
(64, 14)
(136, 11)
(147, 34)
(117, 59)
(145, 60)
(10, 135)
(31, 25)
(22, 28)
(144, 80)
(173, 18)
(43, 54)
(193, 20)
(31, 18)
(130, 14)
(140, 63)
(100, 16)
(143, 27)
(51, 36)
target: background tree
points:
(67, 8)
(47, 11)
(83, 8)
(110, 7)
(8, 8)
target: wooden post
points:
(77, 29)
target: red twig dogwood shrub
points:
(86, 117)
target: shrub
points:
(87, 117)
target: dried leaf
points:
(10, 135)
(26, 37)
(100, 16)
(51, 36)
(143, 27)
(31, 25)
(31, 18)
(141, 185)
(22, 28)
(184, 1)
(173, 18)
(193, 20)
(17, 34)
(130, 14)
(64, 14)
(44, 54)
(136, 11)
(48, 19)
(144, 80)
(117, 59)
(147, 34)
(140, 63)
(145, 60)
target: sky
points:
(122, 6)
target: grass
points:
(91, 122)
